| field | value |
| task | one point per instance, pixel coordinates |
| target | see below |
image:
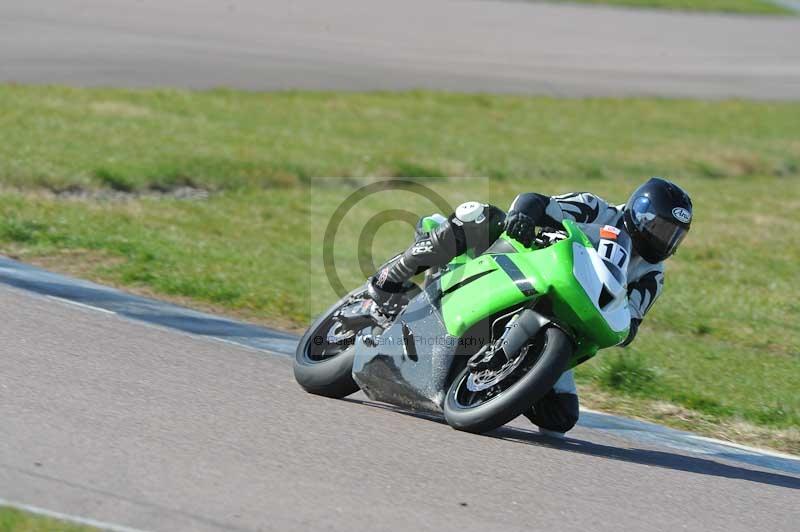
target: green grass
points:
(12, 520)
(628, 374)
(723, 341)
(725, 6)
(63, 138)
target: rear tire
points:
(519, 397)
(332, 376)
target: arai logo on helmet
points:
(681, 214)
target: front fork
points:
(519, 330)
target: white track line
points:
(156, 326)
(746, 448)
(689, 435)
(87, 521)
(78, 304)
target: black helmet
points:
(658, 216)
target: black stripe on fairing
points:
(516, 275)
(465, 282)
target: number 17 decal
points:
(614, 253)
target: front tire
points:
(470, 412)
(321, 373)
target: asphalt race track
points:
(142, 416)
(150, 428)
(462, 45)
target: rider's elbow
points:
(531, 204)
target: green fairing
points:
(549, 270)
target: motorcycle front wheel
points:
(471, 408)
(323, 362)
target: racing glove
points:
(525, 214)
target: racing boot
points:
(387, 301)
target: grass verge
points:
(760, 7)
(12, 520)
(723, 343)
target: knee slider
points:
(557, 411)
(571, 411)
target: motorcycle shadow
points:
(648, 457)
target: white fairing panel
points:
(593, 275)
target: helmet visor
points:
(663, 235)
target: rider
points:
(657, 217)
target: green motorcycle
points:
(486, 336)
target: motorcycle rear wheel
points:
(486, 410)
